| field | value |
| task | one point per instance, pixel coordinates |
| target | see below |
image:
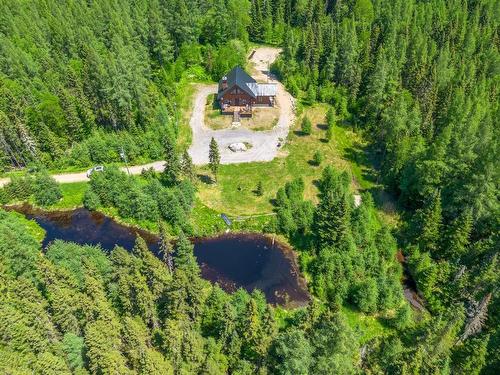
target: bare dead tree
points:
(28, 141)
(476, 319)
(460, 273)
(166, 249)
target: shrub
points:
(317, 158)
(366, 296)
(91, 200)
(292, 86)
(4, 196)
(311, 94)
(46, 190)
(134, 203)
(326, 92)
(306, 126)
(403, 317)
(20, 188)
(148, 174)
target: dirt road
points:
(264, 143)
(66, 178)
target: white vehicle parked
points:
(98, 168)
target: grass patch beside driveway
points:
(235, 194)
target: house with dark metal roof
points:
(238, 91)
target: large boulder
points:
(237, 147)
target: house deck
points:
(244, 111)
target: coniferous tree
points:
(187, 166)
(170, 175)
(317, 158)
(259, 191)
(292, 353)
(184, 257)
(458, 236)
(256, 21)
(331, 220)
(431, 222)
(214, 158)
(306, 126)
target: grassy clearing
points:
(186, 108)
(72, 196)
(235, 194)
(365, 326)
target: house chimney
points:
(224, 83)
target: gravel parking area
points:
(264, 143)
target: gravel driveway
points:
(264, 143)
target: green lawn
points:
(72, 196)
(365, 326)
(234, 192)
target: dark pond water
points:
(410, 290)
(233, 260)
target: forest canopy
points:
(419, 80)
(73, 73)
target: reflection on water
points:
(251, 261)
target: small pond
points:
(251, 261)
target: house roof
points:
(237, 76)
(263, 89)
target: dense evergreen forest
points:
(419, 79)
(72, 74)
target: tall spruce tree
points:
(170, 175)
(214, 158)
(429, 237)
(332, 216)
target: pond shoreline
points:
(250, 260)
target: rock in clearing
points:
(237, 147)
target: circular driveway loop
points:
(264, 143)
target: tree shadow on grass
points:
(312, 163)
(322, 126)
(368, 158)
(300, 133)
(316, 183)
(385, 200)
(361, 156)
(206, 179)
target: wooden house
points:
(240, 92)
